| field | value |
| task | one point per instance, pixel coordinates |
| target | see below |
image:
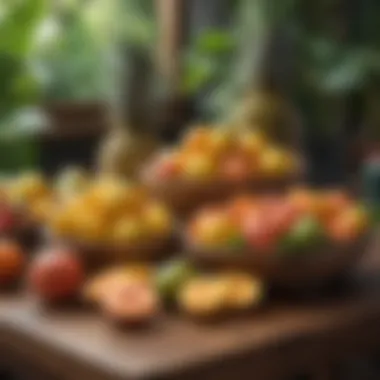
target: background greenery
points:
(69, 51)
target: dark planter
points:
(73, 135)
(72, 118)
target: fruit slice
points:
(203, 297)
(244, 291)
(130, 302)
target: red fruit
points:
(236, 168)
(56, 274)
(259, 234)
(11, 261)
(282, 217)
(7, 218)
(334, 203)
(241, 207)
(167, 168)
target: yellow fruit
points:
(275, 162)
(157, 219)
(253, 143)
(28, 188)
(221, 142)
(71, 182)
(244, 290)
(42, 209)
(90, 227)
(199, 167)
(197, 139)
(215, 229)
(203, 297)
(62, 225)
(128, 230)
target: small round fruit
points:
(282, 216)
(157, 218)
(130, 302)
(349, 225)
(172, 277)
(306, 232)
(215, 229)
(276, 163)
(128, 230)
(199, 166)
(240, 207)
(334, 202)
(197, 139)
(236, 168)
(203, 297)
(259, 234)
(166, 167)
(253, 143)
(55, 274)
(8, 219)
(12, 261)
(306, 201)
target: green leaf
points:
(214, 42)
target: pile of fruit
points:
(110, 212)
(208, 154)
(29, 195)
(289, 223)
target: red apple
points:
(56, 274)
(11, 261)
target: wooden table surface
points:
(284, 338)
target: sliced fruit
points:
(203, 297)
(244, 290)
(130, 302)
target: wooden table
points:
(285, 338)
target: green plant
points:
(19, 21)
(72, 62)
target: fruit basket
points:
(316, 267)
(302, 238)
(112, 221)
(212, 164)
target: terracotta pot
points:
(317, 266)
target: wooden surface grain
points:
(285, 337)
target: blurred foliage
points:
(72, 56)
(19, 20)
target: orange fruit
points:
(348, 225)
(197, 139)
(11, 261)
